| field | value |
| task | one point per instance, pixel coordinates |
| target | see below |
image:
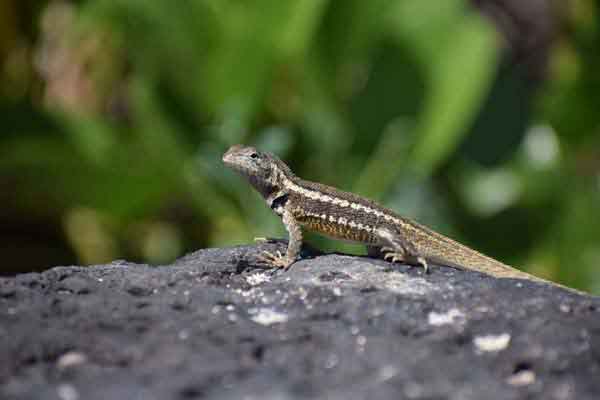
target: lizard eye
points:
(253, 155)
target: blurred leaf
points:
(377, 176)
(92, 137)
(461, 52)
(302, 21)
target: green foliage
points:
(115, 136)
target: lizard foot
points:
(395, 256)
(276, 260)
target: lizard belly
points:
(336, 230)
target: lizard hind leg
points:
(386, 253)
(398, 250)
(392, 247)
(400, 256)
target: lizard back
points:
(346, 216)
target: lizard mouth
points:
(231, 160)
(234, 162)
(229, 157)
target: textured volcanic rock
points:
(216, 325)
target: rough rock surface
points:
(216, 325)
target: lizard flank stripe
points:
(315, 195)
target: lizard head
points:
(260, 168)
(247, 161)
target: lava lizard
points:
(349, 217)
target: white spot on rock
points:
(522, 378)
(71, 359)
(266, 316)
(184, 334)
(332, 361)
(453, 315)
(386, 373)
(257, 279)
(492, 343)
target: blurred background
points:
(479, 118)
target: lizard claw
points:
(399, 257)
(423, 262)
(276, 260)
(395, 257)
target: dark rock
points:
(77, 284)
(217, 324)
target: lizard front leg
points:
(294, 243)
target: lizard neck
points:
(275, 182)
